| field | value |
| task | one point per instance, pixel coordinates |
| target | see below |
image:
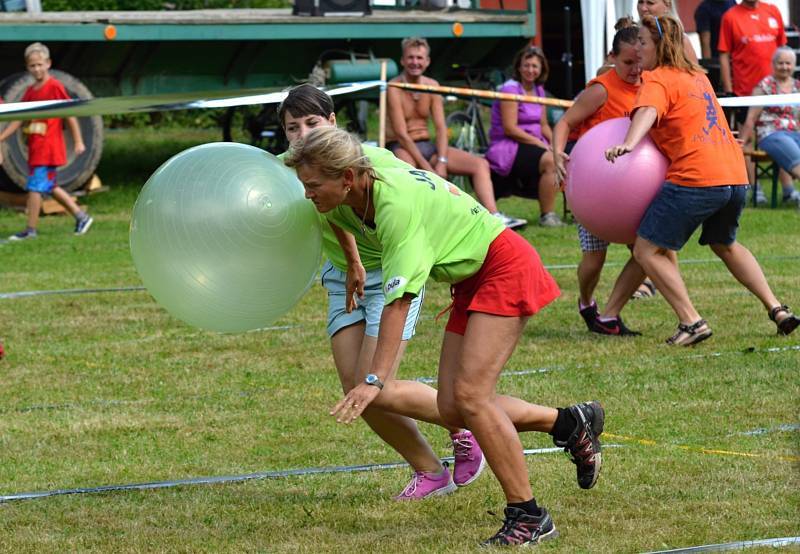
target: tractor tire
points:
(78, 169)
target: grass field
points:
(107, 388)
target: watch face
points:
(371, 378)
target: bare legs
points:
(34, 205)
(666, 275)
(468, 371)
(548, 186)
(589, 270)
(392, 415)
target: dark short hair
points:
(304, 100)
(530, 52)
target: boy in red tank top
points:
(46, 148)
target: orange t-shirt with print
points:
(690, 129)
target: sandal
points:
(788, 323)
(646, 290)
(689, 335)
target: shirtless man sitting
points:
(408, 137)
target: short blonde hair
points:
(414, 42)
(331, 151)
(37, 48)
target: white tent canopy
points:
(596, 37)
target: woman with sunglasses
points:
(705, 184)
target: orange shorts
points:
(512, 282)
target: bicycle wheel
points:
(461, 134)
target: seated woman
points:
(778, 127)
(520, 138)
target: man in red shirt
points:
(748, 36)
(46, 148)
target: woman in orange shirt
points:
(607, 96)
(705, 184)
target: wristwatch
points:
(373, 380)
(443, 160)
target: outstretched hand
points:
(616, 151)
(349, 408)
(354, 285)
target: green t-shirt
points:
(423, 226)
(370, 257)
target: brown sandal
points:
(646, 290)
(689, 335)
(788, 323)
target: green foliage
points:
(107, 388)
(133, 5)
(197, 119)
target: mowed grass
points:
(107, 388)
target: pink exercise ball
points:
(610, 199)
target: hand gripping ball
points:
(223, 237)
(610, 199)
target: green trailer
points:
(152, 53)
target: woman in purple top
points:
(520, 136)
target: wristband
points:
(442, 160)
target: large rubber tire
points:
(78, 170)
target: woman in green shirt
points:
(424, 226)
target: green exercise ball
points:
(223, 238)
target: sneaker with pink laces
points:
(469, 460)
(423, 485)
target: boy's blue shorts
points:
(369, 308)
(41, 178)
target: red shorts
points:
(512, 282)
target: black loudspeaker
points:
(331, 7)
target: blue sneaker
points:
(24, 235)
(82, 225)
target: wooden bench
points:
(769, 170)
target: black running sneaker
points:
(614, 327)
(521, 528)
(589, 313)
(583, 444)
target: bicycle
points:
(465, 128)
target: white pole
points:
(33, 6)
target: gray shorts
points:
(369, 308)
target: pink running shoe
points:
(423, 485)
(469, 458)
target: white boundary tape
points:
(741, 545)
